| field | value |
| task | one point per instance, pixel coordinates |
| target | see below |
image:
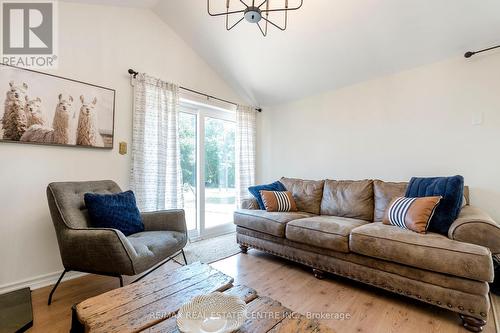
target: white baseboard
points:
(39, 281)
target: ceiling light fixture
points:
(254, 13)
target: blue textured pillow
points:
(255, 190)
(452, 191)
(117, 211)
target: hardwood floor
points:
(56, 318)
(370, 309)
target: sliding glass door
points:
(188, 150)
(220, 193)
(207, 143)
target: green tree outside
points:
(219, 151)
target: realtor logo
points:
(28, 31)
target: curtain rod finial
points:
(132, 72)
(469, 54)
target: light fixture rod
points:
(227, 23)
(220, 14)
(274, 24)
(284, 9)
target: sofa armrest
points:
(250, 203)
(475, 226)
(97, 250)
(171, 220)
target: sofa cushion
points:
(429, 251)
(278, 201)
(249, 203)
(255, 191)
(151, 245)
(384, 193)
(329, 232)
(347, 198)
(452, 191)
(411, 213)
(307, 193)
(272, 223)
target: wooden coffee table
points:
(151, 304)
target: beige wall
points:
(97, 45)
(415, 123)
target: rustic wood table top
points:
(151, 304)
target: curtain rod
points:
(134, 74)
(471, 53)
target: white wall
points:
(97, 44)
(415, 123)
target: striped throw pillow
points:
(411, 213)
(278, 201)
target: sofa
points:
(338, 229)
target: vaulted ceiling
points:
(331, 43)
(123, 3)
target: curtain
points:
(245, 151)
(156, 175)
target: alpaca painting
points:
(59, 132)
(14, 117)
(40, 109)
(34, 115)
(61, 120)
(87, 131)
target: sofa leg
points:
(318, 274)
(472, 324)
(244, 248)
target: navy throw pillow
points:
(255, 190)
(116, 211)
(452, 191)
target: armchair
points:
(108, 251)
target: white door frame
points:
(202, 111)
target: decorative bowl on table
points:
(212, 313)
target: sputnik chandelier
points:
(255, 12)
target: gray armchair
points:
(107, 251)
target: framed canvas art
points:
(40, 108)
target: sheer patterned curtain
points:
(245, 150)
(156, 176)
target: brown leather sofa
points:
(338, 230)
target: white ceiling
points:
(124, 3)
(333, 43)
(329, 43)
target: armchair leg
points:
(184, 256)
(158, 266)
(121, 280)
(55, 286)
